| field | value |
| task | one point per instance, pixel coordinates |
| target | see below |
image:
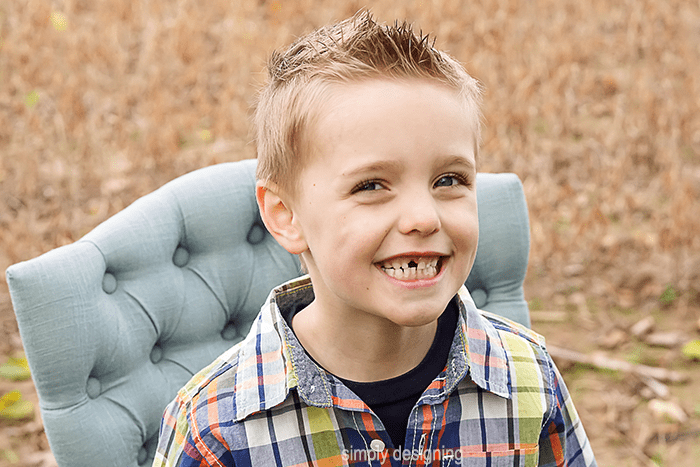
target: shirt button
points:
(377, 445)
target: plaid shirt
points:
(499, 401)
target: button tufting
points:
(94, 388)
(181, 257)
(109, 283)
(156, 354)
(479, 296)
(377, 445)
(230, 332)
(256, 234)
(143, 455)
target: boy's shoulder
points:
(503, 354)
(233, 381)
(505, 325)
(201, 381)
(526, 350)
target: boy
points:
(368, 144)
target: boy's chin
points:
(415, 320)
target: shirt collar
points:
(482, 345)
(272, 357)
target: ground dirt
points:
(594, 105)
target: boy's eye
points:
(449, 180)
(367, 185)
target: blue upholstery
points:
(115, 323)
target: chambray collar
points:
(476, 351)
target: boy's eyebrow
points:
(379, 166)
(456, 160)
(395, 166)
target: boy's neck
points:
(361, 347)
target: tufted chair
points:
(115, 323)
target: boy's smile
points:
(386, 202)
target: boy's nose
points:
(419, 215)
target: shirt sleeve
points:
(563, 441)
(176, 446)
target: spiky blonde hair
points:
(349, 51)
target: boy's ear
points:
(278, 217)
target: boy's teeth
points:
(421, 268)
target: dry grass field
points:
(595, 105)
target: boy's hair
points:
(355, 49)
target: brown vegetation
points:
(593, 104)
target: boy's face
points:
(387, 200)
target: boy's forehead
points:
(333, 101)
(429, 106)
(381, 85)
